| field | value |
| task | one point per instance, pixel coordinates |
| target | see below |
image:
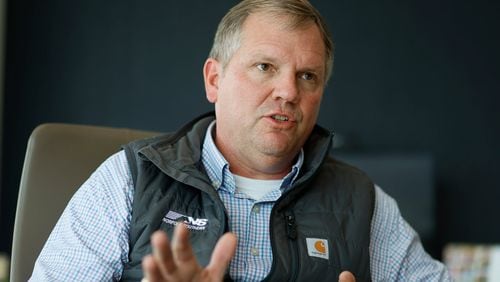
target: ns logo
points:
(196, 221)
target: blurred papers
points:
(470, 262)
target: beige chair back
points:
(59, 158)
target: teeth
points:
(281, 118)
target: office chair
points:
(59, 158)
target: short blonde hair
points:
(299, 13)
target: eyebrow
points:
(317, 69)
(266, 58)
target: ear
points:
(211, 73)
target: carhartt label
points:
(174, 218)
(317, 247)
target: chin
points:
(276, 150)
(276, 145)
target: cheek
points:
(311, 106)
(242, 92)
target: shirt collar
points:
(217, 167)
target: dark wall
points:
(410, 76)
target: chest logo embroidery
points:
(317, 248)
(192, 223)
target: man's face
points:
(267, 97)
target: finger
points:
(346, 276)
(223, 253)
(181, 248)
(150, 269)
(162, 253)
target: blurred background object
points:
(475, 263)
(4, 267)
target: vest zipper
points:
(291, 232)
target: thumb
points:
(346, 276)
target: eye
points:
(308, 76)
(263, 67)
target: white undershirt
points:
(255, 188)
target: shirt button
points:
(216, 184)
(254, 252)
(256, 209)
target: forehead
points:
(271, 31)
(273, 21)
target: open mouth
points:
(280, 117)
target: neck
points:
(258, 167)
(254, 163)
(270, 169)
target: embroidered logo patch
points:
(317, 248)
(192, 223)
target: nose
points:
(286, 89)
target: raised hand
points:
(176, 262)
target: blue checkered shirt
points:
(248, 218)
(90, 240)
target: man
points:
(254, 186)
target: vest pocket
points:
(320, 246)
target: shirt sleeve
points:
(90, 240)
(395, 248)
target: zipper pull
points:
(291, 227)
